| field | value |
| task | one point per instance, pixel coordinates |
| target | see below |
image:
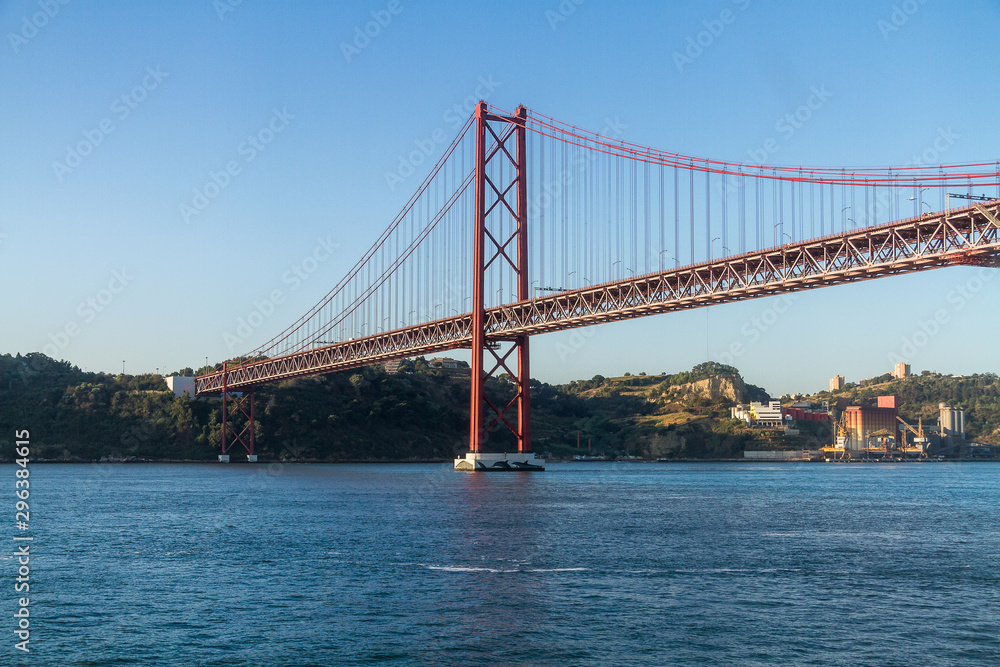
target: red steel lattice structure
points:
(405, 266)
(497, 202)
(960, 236)
(232, 434)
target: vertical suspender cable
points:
(691, 207)
(663, 243)
(677, 223)
(708, 212)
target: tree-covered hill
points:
(420, 413)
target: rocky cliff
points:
(726, 387)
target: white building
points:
(181, 385)
(769, 415)
(742, 412)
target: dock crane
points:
(920, 440)
(883, 437)
(841, 440)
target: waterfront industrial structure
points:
(862, 423)
(952, 422)
(880, 431)
(863, 432)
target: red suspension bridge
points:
(520, 202)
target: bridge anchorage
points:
(627, 231)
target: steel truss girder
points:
(960, 236)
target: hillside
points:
(422, 414)
(366, 414)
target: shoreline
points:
(4, 461)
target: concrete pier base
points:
(223, 458)
(506, 462)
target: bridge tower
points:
(500, 236)
(232, 434)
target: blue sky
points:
(100, 264)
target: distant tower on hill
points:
(837, 383)
(901, 371)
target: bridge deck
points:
(961, 236)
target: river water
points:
(584, 564)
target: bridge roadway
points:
(961, 236)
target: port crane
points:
(841, 440)
(883, 437)
(920, 440)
